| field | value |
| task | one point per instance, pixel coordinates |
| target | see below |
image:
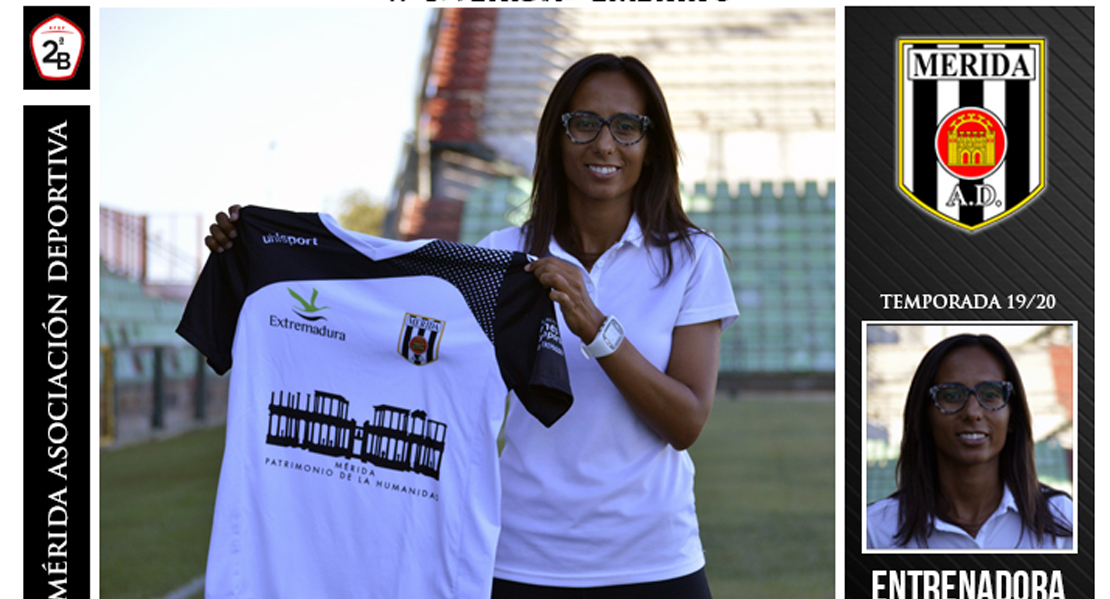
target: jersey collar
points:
(375, 248)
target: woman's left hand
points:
(568, 289)
(675, 403)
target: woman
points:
(966, 477)
(602, 504)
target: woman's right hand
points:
(223, 231)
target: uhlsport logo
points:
(420, 337)
(971, 126)
(283, 239)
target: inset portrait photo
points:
(969, 436)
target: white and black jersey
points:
(369, 386)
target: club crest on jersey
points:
(971, 126)
(420, 337)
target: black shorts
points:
(693, 586)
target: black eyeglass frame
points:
(644, 121)
(1006, 386)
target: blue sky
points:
(292, 108)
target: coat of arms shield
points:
(971, 126)
(419, 339)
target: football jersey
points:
(369, 386)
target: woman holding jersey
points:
(602, 503)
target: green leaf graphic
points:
(306, 306)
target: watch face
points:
(612, 333)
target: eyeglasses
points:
(627, 129)
(952, 397)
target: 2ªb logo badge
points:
(57, 45)
(971, 126)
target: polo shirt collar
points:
(633, 234)
(1007, 503)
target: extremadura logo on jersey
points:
(971, 126)
(309, 311)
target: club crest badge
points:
(419, 340)
(971, 126)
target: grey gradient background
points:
(894, 246)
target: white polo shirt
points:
(1003, 530)
(599, 498)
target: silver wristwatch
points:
(607, 340)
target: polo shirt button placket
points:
(595, 272)
(591, 280)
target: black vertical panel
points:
(55, 314)
(1017, 142)
(925, 127)
(893, 245)
(971, 94)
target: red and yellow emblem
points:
(971, 143)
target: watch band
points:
(607, 340)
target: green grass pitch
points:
(765, 476)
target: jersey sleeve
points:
(212, 311)
(708, 295)
(227, 279)
(528, 345)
